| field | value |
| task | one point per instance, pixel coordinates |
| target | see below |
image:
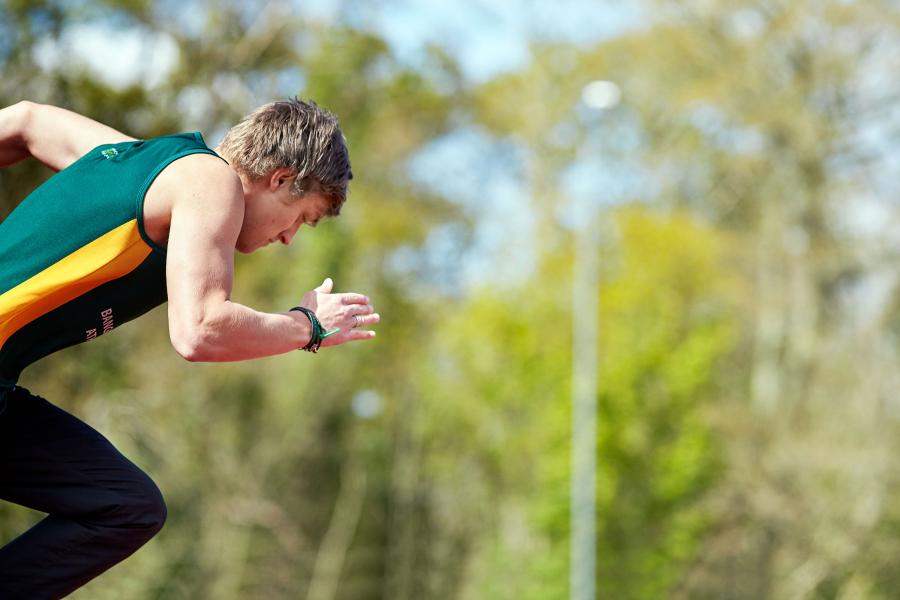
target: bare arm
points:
(53, 135)
(204, 323)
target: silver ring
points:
(356, 320)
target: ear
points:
(281, 177)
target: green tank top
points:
(75, 261)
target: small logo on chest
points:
(109, 153)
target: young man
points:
(124, 225)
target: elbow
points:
(15, 126)
(195, 333)
(23, 114)
(190, 345)
(25, 107)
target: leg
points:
(101, 506)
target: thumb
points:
(326, 286)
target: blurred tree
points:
(754, 118)
(666, 312)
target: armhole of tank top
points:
(139, 201)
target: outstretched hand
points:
(347, 312)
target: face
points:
(272, 215)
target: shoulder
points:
(202, 169)
(198, 188)
(202, 177)
(207, 197)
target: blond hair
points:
(295, 134)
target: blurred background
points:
(732, 195)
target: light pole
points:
(600, 96)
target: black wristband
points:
(315, 338)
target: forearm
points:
(232, 332)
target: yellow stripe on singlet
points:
(108, 257)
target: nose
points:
(288, 235)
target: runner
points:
(124, 226)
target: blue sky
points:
(486, 36)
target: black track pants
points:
(101, 507)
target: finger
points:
(367, 320)
(360, 334)
(354, 299)
(326, 286)
(360, 309)
(349, 335)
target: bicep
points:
(58, 137)
(205, 223)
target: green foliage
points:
(502, 412)
(668, 321)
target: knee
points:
(137, 507)
(147, 508)
(152, 512)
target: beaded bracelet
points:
(318, 332)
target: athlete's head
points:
(297, 135)
(289, 153)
